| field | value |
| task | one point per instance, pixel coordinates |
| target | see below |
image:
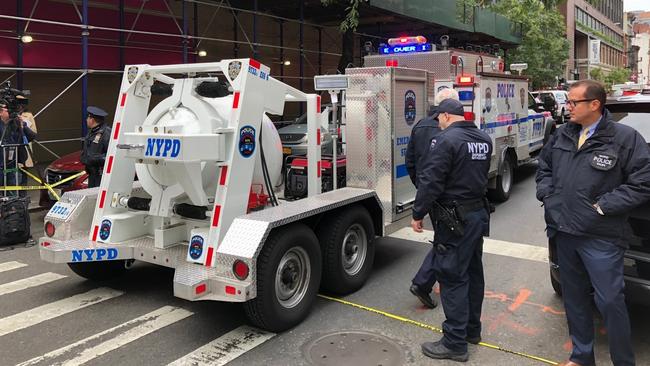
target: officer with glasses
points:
(591, 173)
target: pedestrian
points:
(27, 150)
(418, 147)
(95, 145)
(591, 173)
(13, 131)
(454, 181)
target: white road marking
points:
(52, 310)
(8, 266)
(492, 246)
(225, 348)
(80, 353)
(25, 283)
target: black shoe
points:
(473, 340)
(424, 297)
(438, 351)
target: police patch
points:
(478, 150)
(196, 247)
(433, 144)
(233, 69)
(409, 107)
(247, 141)
(602, 161)
(105, 229)
(97, 137)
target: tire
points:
(99, 271)
(288, 276)
(505, 179)
(643, 269)
(347, 243)
(557, 286)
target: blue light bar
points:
(464, 95)
(406, 49)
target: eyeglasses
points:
(573, 103)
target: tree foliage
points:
(616, 76)
(351, 20)
(544, 45)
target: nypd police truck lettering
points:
(91, 255)
(162, 147)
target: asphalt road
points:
(48, 315)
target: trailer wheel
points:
(288, 276)
(505, 179)
(346, 238)
(99, 271)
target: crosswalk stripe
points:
(225, 348)
(492, 246)
(137, 328)
(25, 283)
(8, 266)
(52, 310)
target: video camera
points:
(14, 98)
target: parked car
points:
(64, 167)
(633, 111)
(294, 136)
(555, 102)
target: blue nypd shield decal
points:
(196, 247)
(409, 107)
(247, 141)
(105, 229)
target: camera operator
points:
(13, 131)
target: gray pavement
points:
(521, 313)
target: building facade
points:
(596, 36)
(642, 41)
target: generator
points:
(296, 176)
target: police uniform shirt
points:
(95, 148)
(456, 167)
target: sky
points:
(629, 5)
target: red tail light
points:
(469, 116)
(240, 269)
(50, 229)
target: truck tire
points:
(99, 271)
(557, 286)
(505, 179)
(288, 276)
(346, 238)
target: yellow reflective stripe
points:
(431, 327)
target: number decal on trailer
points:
(61, 210)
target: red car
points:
(61, 168)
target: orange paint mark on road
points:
(568, 346)
(503, 320)
(524, 294)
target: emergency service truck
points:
(208, 160)
(494, 99)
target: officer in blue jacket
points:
(95, 145)
(591, 173)
(418, 149)
(453, 181)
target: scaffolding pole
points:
(84, 66)
(19, 56)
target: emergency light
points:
(465, 80)
(404, 41)
(469, 116)
(465, 95)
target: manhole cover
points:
(354, 348)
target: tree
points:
(616, 76)
(544, 46)
(347, 27)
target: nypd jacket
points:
(95, 146)
(612, 169)
(421, 135)
(455, 168)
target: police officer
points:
(591, 173)
(418, 147)
(454, 181)
(95, 145)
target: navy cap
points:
(451, 106)
(96, 111)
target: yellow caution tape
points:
(49, 187)
(431, 327)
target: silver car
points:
(294, 136)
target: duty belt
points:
(467, 205)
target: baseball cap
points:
(451, 106)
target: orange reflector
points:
(230, 290)
(200, 289)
